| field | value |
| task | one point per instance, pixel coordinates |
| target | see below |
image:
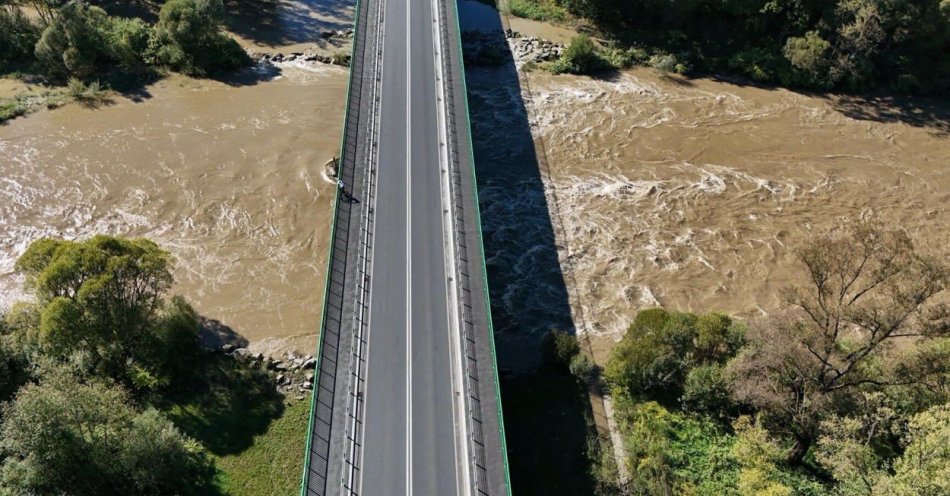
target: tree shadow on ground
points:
(930, 114)
(214, 334)
(225, 404)
(281, 22)
(545, 413)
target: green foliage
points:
(83, 437)
(659, 349)
(128, 41)
(538, 10)
(560, 347)
(583, 368)
(924, 467)
(847, 44)
(12, 108)
(74, 43)
(188, 38)
(105, 297)
(580, 57)
(707, 391)
(18, 35)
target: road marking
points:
(408, 251)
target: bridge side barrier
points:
(466, 123)
(316, 458)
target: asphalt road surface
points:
(410, 438)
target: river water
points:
(226, 175)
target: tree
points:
(867, 289)
(924, 467)
(68, 435)
(659, 349)
(847, 450)
(74, 41)
(105, 297)
(18, 34)
(188, 38)
(809, 54)
(758, 456)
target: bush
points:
(69, 436)
(128, 42)
(188, 38)
(707, 391)
(667, 63)
(559, 348)
(538, 10)
(580, 57)
(18, 35)
(582, 368)
(659, 349)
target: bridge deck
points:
(406, 396)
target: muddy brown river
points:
(695, 194)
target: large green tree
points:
(188, 38)
(106, 299)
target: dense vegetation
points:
(845, 392)
(902, 45)
(75, 39)
(106, 390)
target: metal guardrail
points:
(316, 462)
(480, 252)
(463, 283)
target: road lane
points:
(385, 465)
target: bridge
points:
(406, 397)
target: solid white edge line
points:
(408, 250)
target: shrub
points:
(538, 10)
(128, 42)
(83, 437)
(659, 349)
(188, 38)
(707, 391)
(559, 348)
(582, 368)
(580, 57)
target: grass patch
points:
(12, 108)
(538, 10)
(272, 465)
(226, 405)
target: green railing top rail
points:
(326, 280)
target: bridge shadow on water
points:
(546, 412)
